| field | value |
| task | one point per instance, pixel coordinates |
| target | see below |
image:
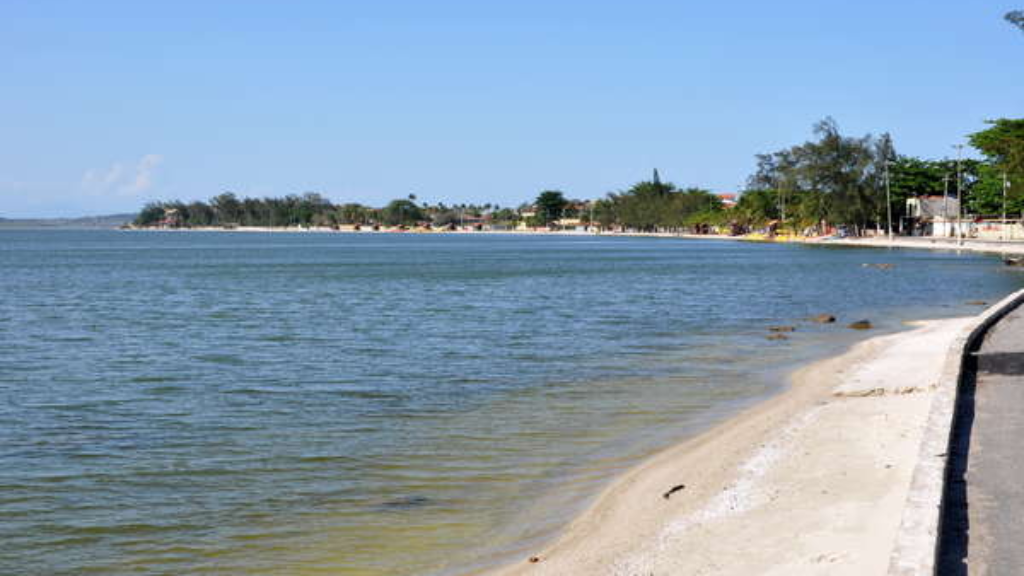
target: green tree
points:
(227, 208)
(550, 204)
(505, 216)
(150, 214)
(604, 212)
(833, 178)
(653, 205)
(757, 207)
(200, 214)
(910, 177)
(1003, 146)
(645, 206)
(986, 198)
(352, 213)
(402, 212)
(1016, 17)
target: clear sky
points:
(105, 105)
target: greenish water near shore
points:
(209, 403)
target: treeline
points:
(839, 180)
(311, 210)
(658, 206)
(832, 180)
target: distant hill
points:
(107, 221)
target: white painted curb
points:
(917, 540)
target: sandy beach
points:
(927, 243)
(813, 481)
(1013, 248)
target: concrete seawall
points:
(917, 544)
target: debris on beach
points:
(672, 491)
(782, 328)
(861, 325)
(534, 559)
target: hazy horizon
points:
(110, 105)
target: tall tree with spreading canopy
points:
(550, 204)
(834, 178)
(402, 212)
(1016, 17)
(1003, 145)
(227, 207)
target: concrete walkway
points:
(984, 528)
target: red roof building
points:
(728, 199)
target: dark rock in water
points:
(1013, 261)
(777, 336)
(976, 303)
(885, 266)
(823, 318)
(782, 328)
(861, 325)
(406, 503)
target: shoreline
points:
(908, 242)
(798, 479)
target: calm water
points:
(384, 404)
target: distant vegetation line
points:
(105, 221)
(829, 181)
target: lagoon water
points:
(214, 403)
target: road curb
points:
(917, 541)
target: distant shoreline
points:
(908, 242)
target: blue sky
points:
(105, 105)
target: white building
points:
(934, 216)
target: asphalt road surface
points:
(993, 471)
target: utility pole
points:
(959, 195)
(888, 198)
(1006, 185)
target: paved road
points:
(994, 488)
